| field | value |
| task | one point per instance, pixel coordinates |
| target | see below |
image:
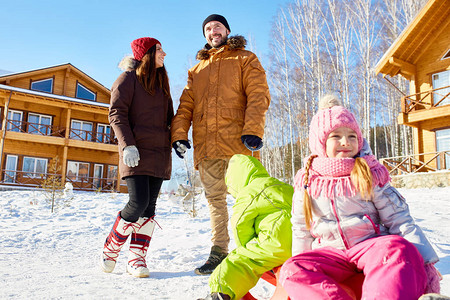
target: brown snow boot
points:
(215, 258)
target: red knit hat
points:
(140, 46)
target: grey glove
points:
(131, 156)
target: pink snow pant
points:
(393, 269)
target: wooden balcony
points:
(425, 100)
(35, 180)
(57, 131)
(35, 128)
(423, 162)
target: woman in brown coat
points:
(140, 114)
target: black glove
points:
(252, 142)
(181, 147)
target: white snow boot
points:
(139, 243)
(433, 296)
(114, 242)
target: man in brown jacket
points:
(225, 99)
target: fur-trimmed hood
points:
(233, 42)
(128, 63)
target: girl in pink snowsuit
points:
(348, 219)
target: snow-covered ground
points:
(46, 255)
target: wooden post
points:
(66, 75)
(118, 178)
(2, 143)
(66, 147)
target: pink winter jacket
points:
(345, 221)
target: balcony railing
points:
(35, 180)
(93, 183)
(426, 100)
(89, 136)
(50, 130)
(411, 164)
(35, 128)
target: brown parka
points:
(226, 96)
(140, 119)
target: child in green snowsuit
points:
(261, 227)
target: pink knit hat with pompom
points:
(326, 120)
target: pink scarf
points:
(331, 176)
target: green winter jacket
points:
(261, 227)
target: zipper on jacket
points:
(376, 227)
(311, 231)
(341, 233)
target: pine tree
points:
(53, 186)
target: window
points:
(10, 169)
(81, 130)
(77, 171)
(39, 124)
(98, 175)
(446, 55)
(104, 133)
(44, 85)
(14, 121)
(441, 80)
(111, 174)
(84, 93)
(443, 144)
(35, 166)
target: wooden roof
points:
(67, 66)
(48, 96)
(404, 53)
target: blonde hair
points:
(307, 204)
(361, 178)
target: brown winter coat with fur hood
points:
(226, 96)
(143, 120)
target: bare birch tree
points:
(338, 42)
(365, 24)
(281, 81)
(322, 46)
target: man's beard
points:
(223, 42)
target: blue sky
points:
(95, 35)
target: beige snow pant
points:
(212, 175)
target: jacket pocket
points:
(231, 122)
(233, 113)
(197, 117)
(396, 200)
(199, 132)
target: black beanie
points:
(217, 18)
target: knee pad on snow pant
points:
(386, 257)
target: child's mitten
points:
(433, 278)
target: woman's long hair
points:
(151, 77)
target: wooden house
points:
(55, 121)
(421, 54)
